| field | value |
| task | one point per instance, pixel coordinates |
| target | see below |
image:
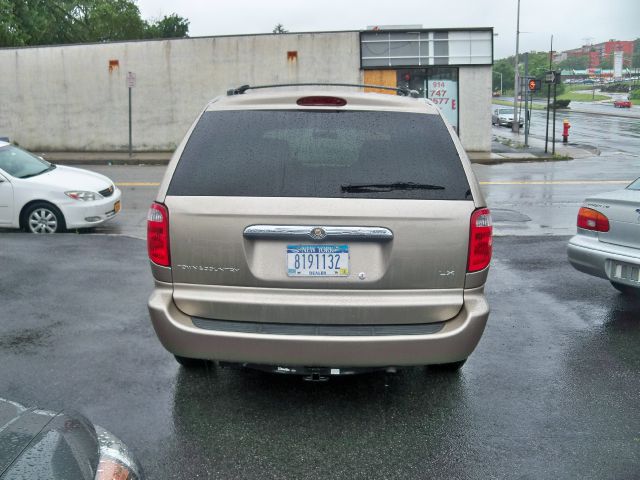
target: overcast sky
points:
(570, 21)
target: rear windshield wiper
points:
(387, 187)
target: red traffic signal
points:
(534, 84)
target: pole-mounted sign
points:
(552, 77)
(131, 79)
(131, 82)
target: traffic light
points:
(534, 84)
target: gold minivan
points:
(320, 231)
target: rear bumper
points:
(455, 341)
(589, 255)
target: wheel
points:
(626, 289)
(43, 217)
(191, 363)
(448, 367)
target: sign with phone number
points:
(444, 94)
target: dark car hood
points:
(42, 444)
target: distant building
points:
(598, 51)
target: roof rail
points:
(401, 91)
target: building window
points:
(438, 84)
(389, 49)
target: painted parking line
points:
(557, 182)
(137, 184)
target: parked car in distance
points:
(622, 104)
(504, 117)
(38, 443)
(44, 198)
(319, 232)
(607, 244)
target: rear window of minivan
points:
(320, 153)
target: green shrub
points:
(560, 104)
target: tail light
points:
(480, 240)
(158, 235)
(590, 219)
(321, 101)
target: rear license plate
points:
(624, 271)
(317, 260)
(116, 206)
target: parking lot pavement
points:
(551, 392)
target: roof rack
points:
(401, 91)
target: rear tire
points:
(626, 289)
(448, 367)
(191, 363)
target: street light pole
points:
(500, 81)
(515, 127)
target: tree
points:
(538, 66)
(10, 34)
(606, 63)
(635, 59)
(171, 26)
(279, 28)
(46, 22)
(575, 63)
(503, 67)
(111, 20)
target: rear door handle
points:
(317, 232)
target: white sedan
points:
(45, 198)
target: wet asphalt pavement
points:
(552, 391)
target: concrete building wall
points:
(474, 98)
(66, 97)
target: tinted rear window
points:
(285, 153)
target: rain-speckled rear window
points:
(293, 153)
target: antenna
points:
(587, 41)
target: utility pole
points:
(515, 127)
(526, 97)
(131, 82)
(546, 135)
(555, 107)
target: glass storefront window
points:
(438, 84)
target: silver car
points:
(608, 241)
(504, 117)
(322, 232)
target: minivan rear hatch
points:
(275, 199)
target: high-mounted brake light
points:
(158, 235)
(480, 240)
(590, 219)
(321, 101)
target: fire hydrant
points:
(565, 130)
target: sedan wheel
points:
(44, 219)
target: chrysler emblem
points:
(317, 233)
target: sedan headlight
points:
(81, 195)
